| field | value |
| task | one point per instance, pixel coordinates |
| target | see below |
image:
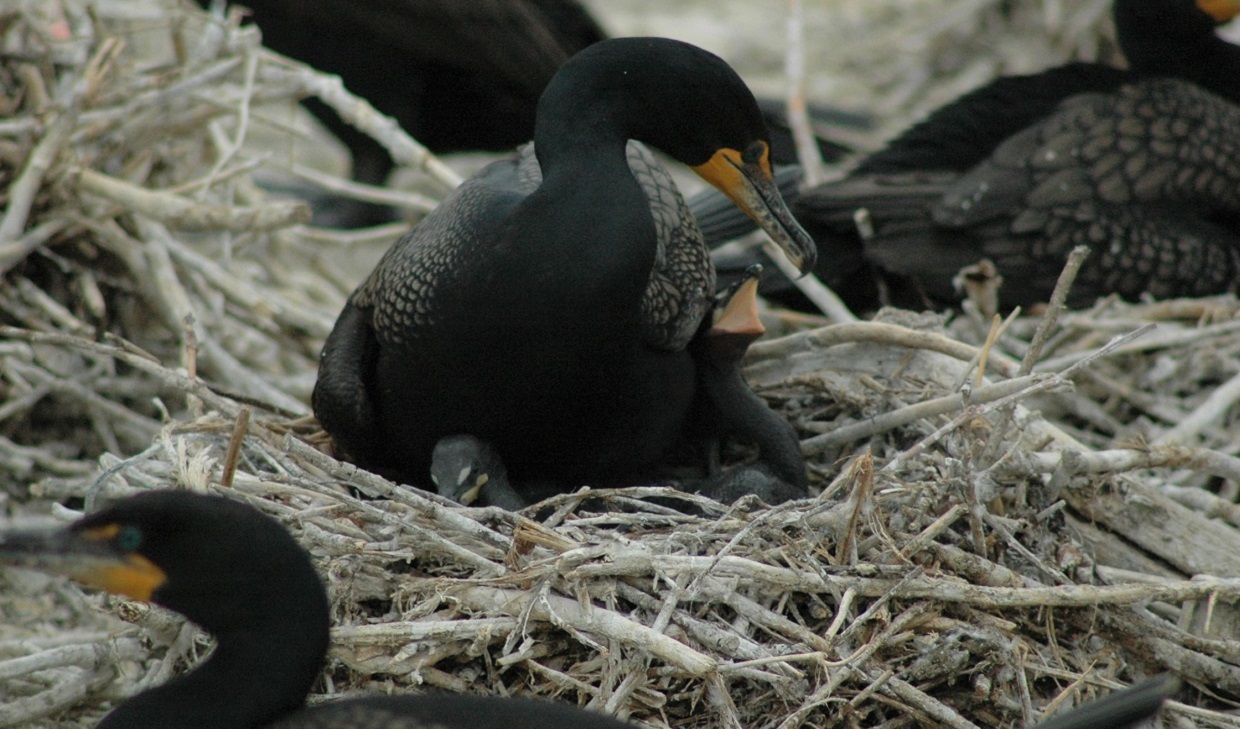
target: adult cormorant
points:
(240, 576)
(554, 324)
(1133, 165)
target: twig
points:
(798, 115)
(184, 214)
(841, 435)
(1205, 414)
(12, 253)
(877, 332)
(22, 192)
(234, 448)
(1054, 308)
(1042, 385)
(596, 619)
(1121, 460)
(366, 193)
(359, 113)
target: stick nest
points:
(979, 552)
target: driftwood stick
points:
(1054, 308)
(165, 375)
(411, 201)
(748, 572)
(839, 436)
(22, 191)
(877, 332)
(594, 619)
(1120, 460)
(13, 252)
(185, 214)
(1209, 412)
(798, 111)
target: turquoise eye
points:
(754, 153)
(128, 538)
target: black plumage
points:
(682, 262)
(1131, 163)
(455, 75)
(241, 577)
(525, 318)
(1147, 177)
(470, 471)
(1123, 708)
(731, 408)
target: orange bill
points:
(88, 556)
(1221, 10)
(746, 178)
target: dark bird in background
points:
(1138, 164)
(554, 322)
(239, 575)
(456, 75)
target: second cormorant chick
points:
(469, 471)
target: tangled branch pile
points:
(981, 551)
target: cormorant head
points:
(220, 563)
(682, 100)
(461, 465)
(735, 324)
(1220, 11)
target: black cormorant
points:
(239, 575)
(1137, 167)
(455, 75)
(552, 324)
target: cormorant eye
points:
(128, 538)
(754, 153)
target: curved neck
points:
(261, 669)
(744, 414)
(248, 681)
(589, 210)
(579, 127)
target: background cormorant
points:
(1064, 157)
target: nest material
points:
(980, 552)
